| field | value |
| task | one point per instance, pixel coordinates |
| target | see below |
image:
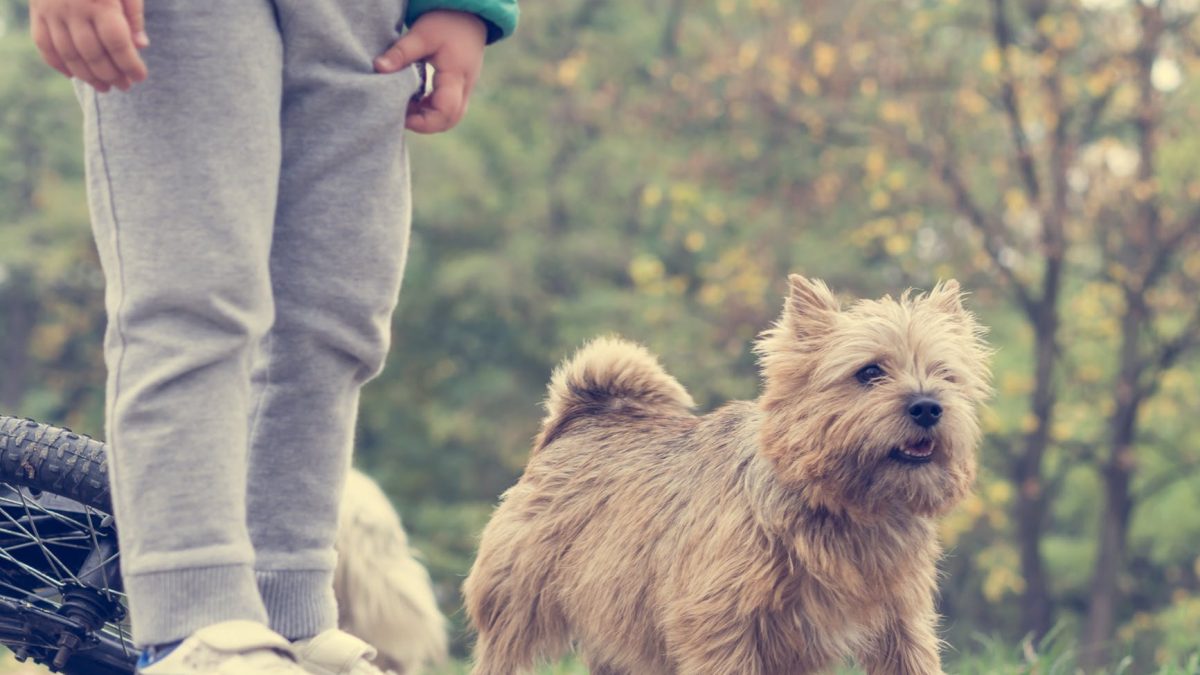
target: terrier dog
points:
(770, 537)
(384, 594)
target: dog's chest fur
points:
(823, 610)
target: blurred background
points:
(655, 168)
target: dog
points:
(384, 594)
(770, 537)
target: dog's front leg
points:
(907, 645)
(716, 643)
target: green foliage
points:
(991, 656)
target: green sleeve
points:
(499, 15)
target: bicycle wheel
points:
(61, 603)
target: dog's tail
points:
(608, 374)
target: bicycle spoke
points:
(45, 512)
(28, 569)
(23, 593)
(28, 544)
(96, 546)
(50, 557)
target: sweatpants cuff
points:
(170, 605)
(300, 603)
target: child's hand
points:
(453, 43)
(93, 40)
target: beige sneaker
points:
(336, 652)
(229, 648)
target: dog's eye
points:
(869, 374)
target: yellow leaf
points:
(999, 492)
(920, 22)
(747, 55)
(875, 162)
(714, 214)
(990, 61)
(652, 196)
(897, 244)
(973, 505)
(827, 187)
(646, 269)
(48, 341)
(893, 111)
(799, 33)
(1015, 384)
(1098, 82)
(1068, 34)
(809, 85)
(1014, 200)
(824, 58)
(972, 102)
(685, 193)
(1062, 430)
(860, 52)
(712, 295)
(694, 241)
(1191, 265)
(568, 70)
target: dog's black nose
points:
(925, 411)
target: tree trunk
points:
(1027, 476)
(1105, 597)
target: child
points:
(249, 192)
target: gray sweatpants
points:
(250, 203)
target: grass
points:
(972, 665)
(988, 656)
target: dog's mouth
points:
(913, 452)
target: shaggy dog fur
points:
(384, 594)
(776, 536)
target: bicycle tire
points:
(56, 460)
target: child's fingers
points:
(422, 118)
(137, 22)
(83, 33)
(41, 38)
(118, 42)
(442, 109)
(75, 64)
(409, 48)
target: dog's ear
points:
(810, 306)
(947, 296)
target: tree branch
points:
(1002, 34)
(990, 231)
(1177, 473)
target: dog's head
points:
(874, 406)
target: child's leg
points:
(182, 177)
(340, 239)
